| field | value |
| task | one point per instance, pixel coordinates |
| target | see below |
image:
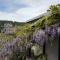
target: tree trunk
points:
(44, 48)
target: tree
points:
(55, 12)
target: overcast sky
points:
(23, 10)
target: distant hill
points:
(5, 21)
(38, 17)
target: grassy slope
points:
(26, 29)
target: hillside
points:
(15, 37)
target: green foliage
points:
(55, 13)
(4, 39)
(42, 57)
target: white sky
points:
(23, 10)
